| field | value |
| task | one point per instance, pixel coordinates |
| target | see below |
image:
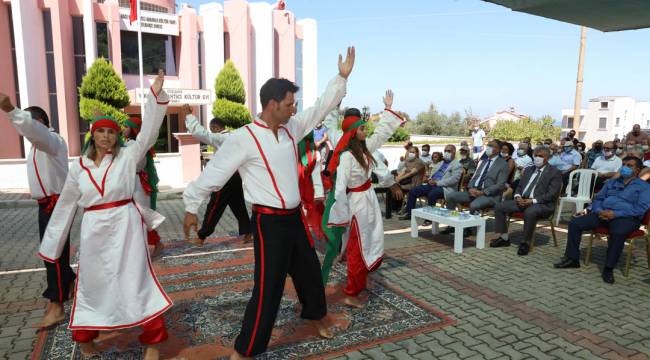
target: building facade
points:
(505, 115)
(607, 118)
(46, 46)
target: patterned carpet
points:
(210, 287)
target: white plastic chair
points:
(586, 184)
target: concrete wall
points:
(10, 139)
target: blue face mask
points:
(626, 172)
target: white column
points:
(309, 62)
(90, 33)
(263, 44)
(30, 55)
(213, 47)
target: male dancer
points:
(232, 193)
(47, 168)
(267, 158)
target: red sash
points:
(109, 205)
(367, 185)
(50, 201)
(265, 210)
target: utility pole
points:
(578, 99)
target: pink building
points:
(46, 47)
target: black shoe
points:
(499, 242)
(608, 276)
(448, 230)
(427, 223)
(567, 263)
(405, 217)
(524, 248)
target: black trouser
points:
(59, 275)
(531, 215)
(619, 229)
(281, 248)
(232, 194)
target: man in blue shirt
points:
(570, 159)
(619, 207)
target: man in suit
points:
(441, 183)
(535, 197)
(487, 184)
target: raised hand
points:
(388, 99)
(5, 103)
(345, 67)
(158, 82)
(186, 109)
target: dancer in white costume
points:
(116, 286)
(355, 203)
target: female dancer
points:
(116, 287)
(355, 203)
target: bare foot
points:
(248, 238)
(322, 328)
(353, 301)
(54, 314)
(195, 241)
(88, 349)
(151, 353)
(237, 356)
(157, 250)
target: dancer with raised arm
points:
(232, 194)
(353, 202)
(47, 167)
(116, 286)
(266, 155)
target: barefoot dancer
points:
(266, 155)
(47, 167)
(116, 287)
(354, 202)
(232, 194)
(146, 185)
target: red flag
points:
(133, 16)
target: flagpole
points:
(140, 61)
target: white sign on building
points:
(152, 22)
(180, 96)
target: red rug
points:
(210, 287)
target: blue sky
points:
(469, 54)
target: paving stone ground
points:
(505, 306)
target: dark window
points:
(158, 52)
(166, 142)
(79, 67)
(299, 99)
(226, 46)
(569, 123)
(51, 74)
(145, 6)
(602, 123)
(604, 105)
(102, 40)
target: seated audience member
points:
(522, 162)
(425, 155)
(581, 149)
(548, 142)
(507, 149)
(595, 152)
(413, 173)
(555, 154)
(443, 181)
(436, 161)
(619, 207)
(636, 135)
(466, 160)
(570, 160)
(535, 197)
(607, 165)
(487, 184)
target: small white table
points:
(457, 222)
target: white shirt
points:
(477, 137)
(47, 161)
(200, 133)
(603, 165)
(522, 162)
(426, 159)
(268, 165)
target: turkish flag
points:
(133, 16)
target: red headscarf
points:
(134, 123)
(104, 122)
(350, 125)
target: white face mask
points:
(475, 127)
(488, 151)
(425, 153)
(505, 155)
(446, 156)
(521, 152)
(411, 156)
(619, 151)
(463, 157)
(609, 154)
(539, 161)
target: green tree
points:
(432, 122)
(537, 130)
(102, 90)
(231, 96)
